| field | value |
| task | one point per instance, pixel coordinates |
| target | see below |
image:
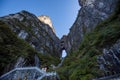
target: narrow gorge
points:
(92, 44)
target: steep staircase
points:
(26, 73)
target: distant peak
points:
(46, 19)
(24, 11)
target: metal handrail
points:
(30, 68)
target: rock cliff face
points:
(46, 20)
(109, 61)
(37, 32)
(40, 34)
(92, 12)
(99, 51)
(26, 41)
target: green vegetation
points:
(82, 65)
(12, 47)
(30, 29)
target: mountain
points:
(91, 13)
(27, 41)
(92, 45)
(93, 42)
(46, 20)
(33, 30)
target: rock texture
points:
(92, 12)
(39, 33)
(109, 61)
(46, 20)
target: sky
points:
(62, 12)
(64, 54)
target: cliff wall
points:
(91, 13)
